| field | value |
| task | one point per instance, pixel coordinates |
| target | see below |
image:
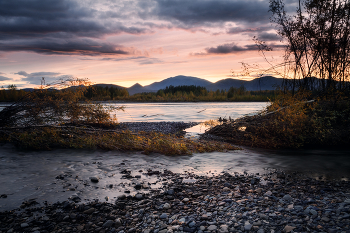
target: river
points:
(32, 174)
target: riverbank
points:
(275, 202)
(149, 137)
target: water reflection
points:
(187, 112)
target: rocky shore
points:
(274, 202)
(163, 127)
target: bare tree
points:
(318, 43)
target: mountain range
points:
(263, 83)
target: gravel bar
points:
(274, 202)
(163, 127)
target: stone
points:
(268, 193)
(223, 229)
(325, 219)
(121, 197)
(287, 198)
(24, 225)
(89, 211)
(313, 212)
(288, 228)
(247, 226)
(185, 199)
(94, 179)
(139, 196)
(192, 224)
(108, 224)
(166, 206)
(163, 216)
(138, 186)
(258, 190)
(257, 223)
(212, 228)
(170, 192)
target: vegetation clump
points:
(59, 116)
(292, 121)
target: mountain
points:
(257, 84)
(263, 83)
(136, 88)
(178, 81)
(225, 84)
(108, 85)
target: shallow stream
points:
(59, 174)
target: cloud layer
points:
(77, 27)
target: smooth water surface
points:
(187, 112)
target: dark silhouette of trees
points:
(318, 42)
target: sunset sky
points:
(131, 41)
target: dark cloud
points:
(239, 30)
(79, 27)
(3, 78)
(265, 36)
(68, 47)
(36, 77)
(37, 18)
(232, 48)
(58, 27)
(198, 12)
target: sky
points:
(124, 42)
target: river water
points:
(26, 175)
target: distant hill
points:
(263, 83)
(108, 85)
(136, 88)
(179, 80)
(225, 84)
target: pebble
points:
(287, 197)
(94, 179)
(24, 225)
(166, 206)
(288, 228)
(108, 224)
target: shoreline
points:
(165, 127)
(273, 202)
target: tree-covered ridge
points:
(106, 93)
(185, 93)
(195, 93)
